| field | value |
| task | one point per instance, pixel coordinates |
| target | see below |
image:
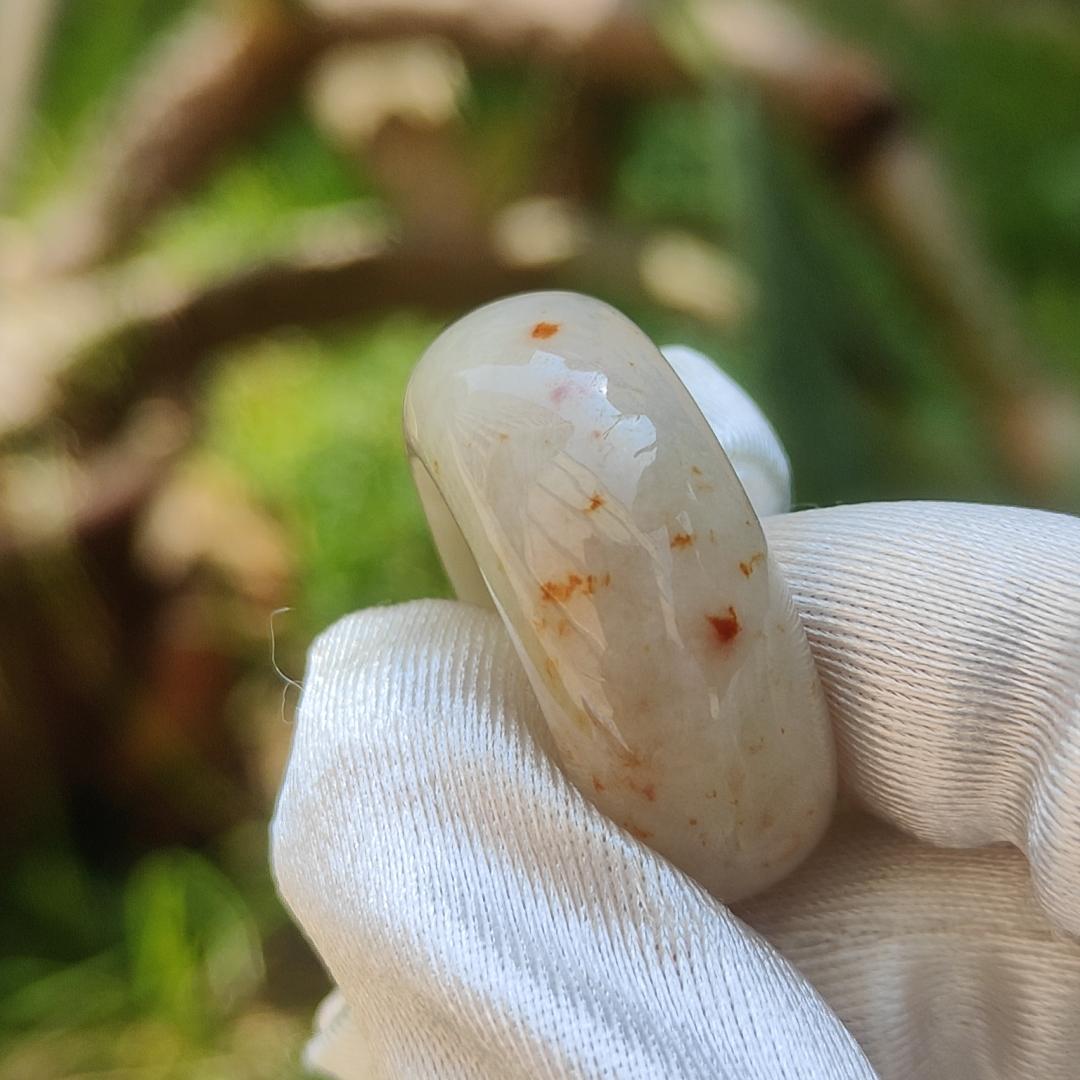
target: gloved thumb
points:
(479, 915)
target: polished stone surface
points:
(570, 478)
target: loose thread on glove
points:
(273, 662)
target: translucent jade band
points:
(571, 480)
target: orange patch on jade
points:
(726, 626)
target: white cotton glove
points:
(482, 919)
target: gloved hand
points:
(482, 919)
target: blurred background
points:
(228, 228)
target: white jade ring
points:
(571, 481)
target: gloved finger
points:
(941, 963)
(748, 439)
(947, 637)
(340, 1047)
(482, 918)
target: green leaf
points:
(193, 950)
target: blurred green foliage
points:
(996, 87)
(161, 969)
(680, 164)
(254, 203)
(167, 965)
(94, 47)
(313, 423)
